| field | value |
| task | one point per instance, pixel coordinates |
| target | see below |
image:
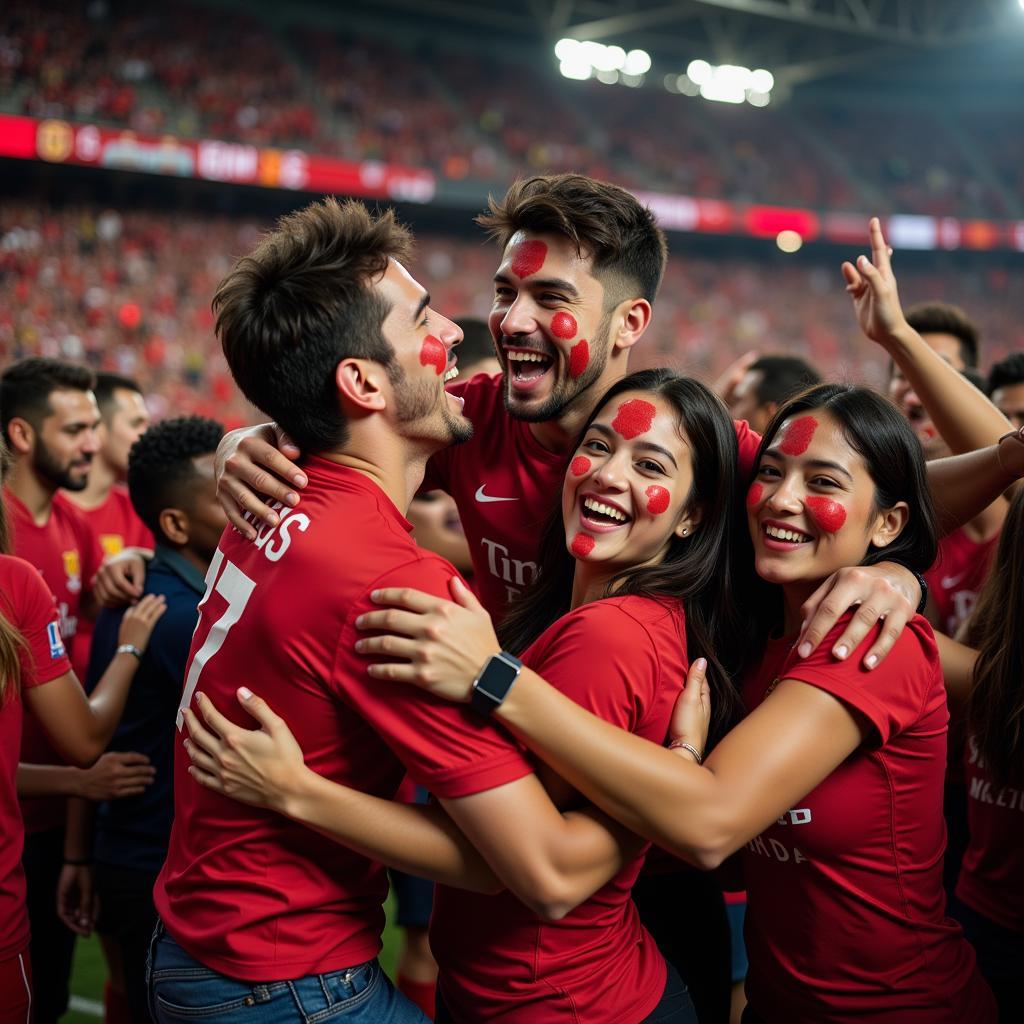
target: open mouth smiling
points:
(527, 365)
(602, 514)
(785, 535)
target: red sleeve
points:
(748, 441)
(893, 696)
(605, 661)
(33, 613)
(445, 747)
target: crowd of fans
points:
(130, 292)
(484, 116)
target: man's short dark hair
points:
(1007, 372)
(160, 466)
(106, 385)
(942, 318)
(300, 303)
(603, 221)
(782, 377)
(26, 386)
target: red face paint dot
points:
(579, 466)
(582, 545)
(633, 418)
(799, 435)
(754, 495)
(564, 326)
(657, 499)
(433, 353)
(579, 358)
(829, 515)
(528, 258)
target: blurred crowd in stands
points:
(473, 115)
(130, 292)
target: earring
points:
(686, 530)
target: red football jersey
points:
(846, 914)
(624, 659)
(116, 526)
(243, 890)
(27, 605)
(992, 874)
(956, 578)
(66, 553)
(506, 485)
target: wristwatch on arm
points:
(491, 686)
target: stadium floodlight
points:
(582, 58)
(726, 83)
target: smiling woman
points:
(636, 581)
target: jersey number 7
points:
(236, 588)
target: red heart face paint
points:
(754, 495)
(433, 353)
(799, 435)
(657, 499)
(828, 515)
(582, 545)
(633, 418)
(579, 466)
(528, 258)
(579, 358)
(564, 326)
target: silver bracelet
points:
(129, 649)
(688, 747)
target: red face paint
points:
(633, 418)
(564, 326)
(827, 514)
(754, 495)
(799, 435)
(579, 358)
(579, 466)
(657, 499)
(528, 258)
(433, 353)
(582, 545)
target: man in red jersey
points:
(104, 500)
(325, 330)
(49, 422)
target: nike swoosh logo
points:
(949, 582)
(484, 498)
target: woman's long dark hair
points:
(697, 570)
(874, 428)
(996, 629)
(12, 644)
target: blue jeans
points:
(182, 990)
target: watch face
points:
(494, 682)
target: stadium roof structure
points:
(925, 43)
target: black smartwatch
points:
(923, 584)
(491, 687)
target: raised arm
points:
(512, 836)
(963, 416)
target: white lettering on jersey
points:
(799, 816)
(768, 847)
(288, 518)
(511, 570)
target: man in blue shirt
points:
(171, 482)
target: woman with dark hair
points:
(35, 673)
(832, 784)
(636, 580)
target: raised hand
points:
(441, 645)
(872, 286)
